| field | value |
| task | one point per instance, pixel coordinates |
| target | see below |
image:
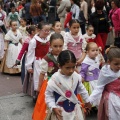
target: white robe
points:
(1, 45)
(107, 76)
(30, 59)
(13, 50)
(65, 82)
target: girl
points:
(49, 65)
(90, 67)
(89, 36)
(31, 32)
(14, 40)
(38, 48)
(74, 41)
(22, 28)
(62, 89)
(57, 28)
(109, 86)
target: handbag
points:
(117, 41)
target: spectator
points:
(99, 20)
(35, 11)
(61, 11)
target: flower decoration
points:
(68, 93)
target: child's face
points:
(93, 51)
(14, 25)
(115, 64)
(68, 68)
(57, 46)
(90, 31)
(58, 27)
(75, 28)
(22, 23)
(45, 31)
(13, 10)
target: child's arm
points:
(81, 59)
(30, 55)
(44, 69)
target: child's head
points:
(13, 9)
(31, 30)
(113, 56)
(67, 62)
(43, 29)
(68, 9)
(13, 25)
(56, 43)
(57, 26)
(74, 26)
(92, 50)
(89, 30)
(23, 22)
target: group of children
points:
(61, 69)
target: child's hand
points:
(58, 113)
(79, 62)
(88, 107)
(30, 71)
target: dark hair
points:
(99, 4)
(73, 21)
(89, 45)
(54, 23)
(66, 56)
(117, 3)
(56, 36)
(77, 2)
(24, 19)
(31, 28)
(68, 9)
(113, 52)
(41, 25)
(89, 26)
(12, 22)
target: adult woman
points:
(101, 24)
(35, 11)
(115, 17)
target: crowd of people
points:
(69, 65)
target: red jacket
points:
(67, 19)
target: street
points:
(14, 105)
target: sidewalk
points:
(16, 107)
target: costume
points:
(23, 32)
(22, 55)
(37, 49)
(1, 45)
(76, 44)
(89, 38)
(90, 72)
(108, 86)
(48, 65)
(14, 47)
(61, 93)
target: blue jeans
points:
(35, 19)
(44, 18)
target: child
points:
(57, 28)
(13, 15)
(1, 45)
(22, 28)
(89, 36)
(90, 67)
(14, 40)
(38, 48)
(62, 89)
(109, 86)
(74, 41)
(67, 19)
(49, 65)
(31, 32)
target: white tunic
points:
(13, 50)
(30, 59)
(107, 76)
